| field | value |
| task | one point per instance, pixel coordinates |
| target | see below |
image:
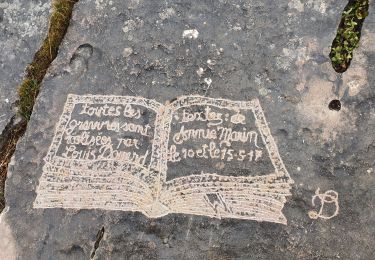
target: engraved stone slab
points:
(275, 52)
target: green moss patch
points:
(35, 72)
(29, 89)
(348, 34)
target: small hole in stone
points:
(335, 105)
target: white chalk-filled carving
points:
(326, 198)
(195, 155)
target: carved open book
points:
(194, 155)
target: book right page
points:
(223, 161)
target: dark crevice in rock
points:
(35, 72)
(99, 238)
(29, 88)
(348, 34)
(8, 141)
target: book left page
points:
(102, 155)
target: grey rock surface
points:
(276, 51)
(23, 26)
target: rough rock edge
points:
(28, 91)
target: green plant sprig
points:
(348, 34)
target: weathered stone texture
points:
(23, 26)
(276, 51)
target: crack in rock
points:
(99, 238)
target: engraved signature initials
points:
(328, 197)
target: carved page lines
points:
(261, 122)
(89, 183)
